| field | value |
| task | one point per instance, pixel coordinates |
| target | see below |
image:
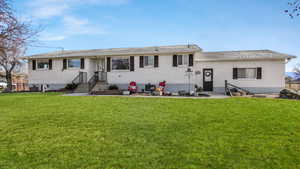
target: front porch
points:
(97, 82)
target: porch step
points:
(100, 86)
(82, 88)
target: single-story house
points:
(181, 66)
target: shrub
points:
(199, 89)
(113, 87)
(71, 86)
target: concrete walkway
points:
(212, 96)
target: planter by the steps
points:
(107, 92)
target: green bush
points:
(113, 87)
(71, 86)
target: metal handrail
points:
(92, 82)
(76, 79)
(97, 77)
(80, 78)
(228, 85)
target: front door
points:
(208, 76)
(100, 73)
(100, 65)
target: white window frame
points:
(42, 61)
(148, 64)
(251, 78)
(184, 60)
(73, 67)
(118, 58)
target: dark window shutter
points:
(33, 64)
(259, 73)
(175, 60)
(191, 60)
(82, 63)
(156, 61)
(132, 63)
(64, 64)
(141, 61)
(50, 64)
(235, 73)
(108, 64)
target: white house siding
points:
(273, 73)
(57, 78)
(174, 76)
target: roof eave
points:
(251, 59)
(95, 55)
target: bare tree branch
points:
(294, 8)
(15, 36)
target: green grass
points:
(49, 131)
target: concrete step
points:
(100, 86)
(82, 88)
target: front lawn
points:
(49, 131)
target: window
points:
(43, 64)
(73, 63)
(120, 64)
(246, 73)
(182, 59)
(149, 60)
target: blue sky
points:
(215, 25)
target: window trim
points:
(246, 78)
(74, 68)
(42, 60)
(120, 70)
(184, 60)
(149, 65)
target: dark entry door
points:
(208, 83)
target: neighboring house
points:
(293, 84)
(293, 75)
(19, 82)
(19, 78)
(2, 82)
(261, 71)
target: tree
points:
(294, 8)
(297, 69)
(15, 35)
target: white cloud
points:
(51, 37)
(44, 9)
(106, 2)
(73, 26)
(77, 26)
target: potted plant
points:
(198, 90)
